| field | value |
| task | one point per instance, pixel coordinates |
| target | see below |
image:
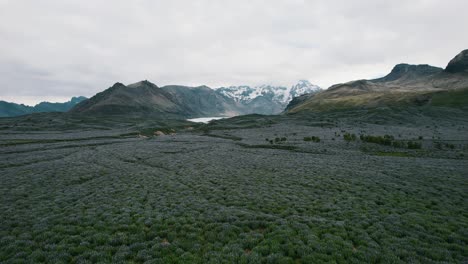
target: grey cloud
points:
(15, 76)
(67, 48)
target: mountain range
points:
(174, 100)
(8, 109)
(406, 84)
(188, 102)
(416, 85)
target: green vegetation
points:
(94, 195)
(277, 140)
(413, 145)
(312, 138)
(349, 137)
(457, 98)
(388, 140)
(441, 145)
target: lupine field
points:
(253, 189)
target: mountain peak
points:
(117, 84)
(303, 87)
(204, 87)
(304, 82)
(77, 99)
(459, 63)
(420, 69)
(144, 83)
(409, 70)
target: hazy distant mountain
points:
(267, 99)
(405, 84)
(12, 109)
(203, 101)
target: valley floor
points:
(251, 189)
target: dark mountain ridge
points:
(8, 109)
(142, 97)
(148, 99)
(459, 64)
(408, 71)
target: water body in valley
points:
(205, 119)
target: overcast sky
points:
(55, 49)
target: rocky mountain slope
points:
(459, 64)
(170, 101)
(405, 84)
(203, 101)
(8, 109)
(143, 97)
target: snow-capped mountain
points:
(278, 94)
(266, 99)
(301, 88)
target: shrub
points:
(349, 137)
(398, 144)
(414, 145)
(312, 138)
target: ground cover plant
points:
(222, 193)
